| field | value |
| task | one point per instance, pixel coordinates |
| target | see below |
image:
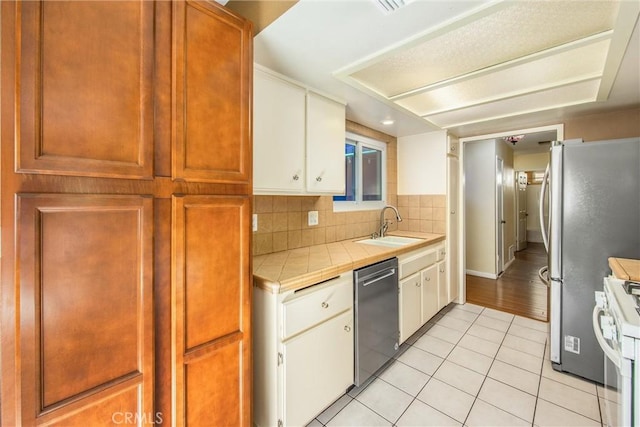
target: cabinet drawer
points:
(313, 305)
(414, 263)
(442, 252)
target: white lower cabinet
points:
(423, 288)
(303, 351)
(318, 368)
(410, 310)
(430, 291)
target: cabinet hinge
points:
(280, 362)
(280, 424)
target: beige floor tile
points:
(486, 333)
(522, 344)
(470, 359)
(568, 379)
(520, 359)
(421, 360)
(490, 322)
(570, 398)
(479, 345)
(404, 377)
(434, 345)
(509, 399)
(515, 377)
(460, 377)
(532, 324)
(419, 414)
(444, 333)
(454, 323)
(357, 415)
(528, 333)
(548, 414)
(496, 314)
(483, 414)
(471, 307)
(461, 314)
(447, 399)
(385, 400)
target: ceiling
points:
(471, 67)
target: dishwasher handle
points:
(376, 277)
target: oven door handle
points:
(611, 353)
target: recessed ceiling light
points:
(387, 122)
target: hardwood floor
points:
(519, 290)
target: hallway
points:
(519, 290)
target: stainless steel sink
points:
(390, 241)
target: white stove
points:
(616, 324)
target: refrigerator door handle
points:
(543, 190)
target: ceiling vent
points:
(388, 6)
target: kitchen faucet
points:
(384, 224)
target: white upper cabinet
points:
(325, 145)
(298, 138)
(278, 134)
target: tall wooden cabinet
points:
(126, 175)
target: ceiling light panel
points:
(514, 30)
(573, 94)
(563, 68)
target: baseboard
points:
(482, 274)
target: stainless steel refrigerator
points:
(594, 214)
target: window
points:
(365, 173)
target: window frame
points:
(359, 204)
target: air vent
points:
(388, 6)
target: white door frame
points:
(559, 128)
(499, 197)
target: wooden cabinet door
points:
(279, 135)
(212, 103)
(430, 306)
(325, 145)
(410, 315)
(85, 312)
(318, 368)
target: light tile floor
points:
(471, 366)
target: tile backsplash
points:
(283, 220)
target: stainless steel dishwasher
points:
(377, 325)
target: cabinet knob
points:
(453, 148)
(347, 328)
(418, 284)
(428, 279)
(319, 179)
(296, 177)
(325, 305)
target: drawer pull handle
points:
(347, 328)
(296, 177)
(319, 179)
(325, 305)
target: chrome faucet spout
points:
(384, 225)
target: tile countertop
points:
(625, 269)
(296, 268)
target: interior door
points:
(500, 222)
(521, 231)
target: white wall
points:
(480, 208)
(530, 162)
(422, 166)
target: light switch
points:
(255, 222)
(313, 217)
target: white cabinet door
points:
(430, 304)
(443, 286)
(318, 368)
(325, 145)
(410, 311)
(278, 135)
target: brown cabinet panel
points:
(86, 305)
(214, 388)
(211, 296)
(213, 79)
(85, 89)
